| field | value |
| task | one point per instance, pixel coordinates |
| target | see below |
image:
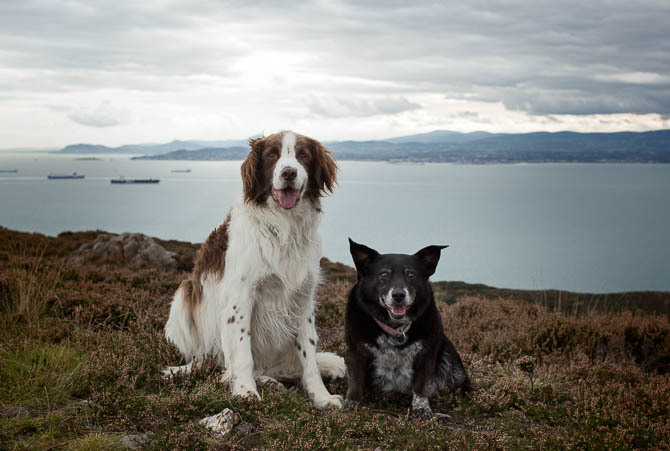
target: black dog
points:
(396, 344)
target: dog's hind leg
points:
(181, 331)
(170, 371)
(331, 366)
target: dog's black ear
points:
(430, 256)
(361, 254)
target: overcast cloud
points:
(115, 72)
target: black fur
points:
(394, 289)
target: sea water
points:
(579, 227)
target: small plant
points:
(527, 365)
(29, 284)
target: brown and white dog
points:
(249, 302)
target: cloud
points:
(278, 62)
(358, 107)
(103, 115)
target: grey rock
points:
(16, 411)
(245, 428)
(134, 441)
(128, 248)
(223, 422)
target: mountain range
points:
(440, 146)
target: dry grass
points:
(599, 379)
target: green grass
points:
(39, 375)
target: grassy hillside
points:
(81, 349)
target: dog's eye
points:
(411, 275)
(302, 155)
(384, 275)
(273, 155)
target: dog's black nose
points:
(289, 174)
(398, 295)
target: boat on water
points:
(8, 171)
(74, 175)
(123, 180)
(181, 170)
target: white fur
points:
(268, 287)
(288, 158)
(392, 366)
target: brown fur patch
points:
(258, 167)
(209, 260)
(321, 169)
(231, 320)
(312, 342)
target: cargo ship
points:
(74, 175)
(123, 180)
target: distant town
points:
(438, 146)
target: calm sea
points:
(580, 227)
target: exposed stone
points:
(127, 248)
(245, 428)
(134, 441)
(16, 411)
(222, 422)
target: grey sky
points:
(119, 72)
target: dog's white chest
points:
(393, 366)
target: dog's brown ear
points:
(250, 169)
(325, 169)
(362, 255)
(430, 256)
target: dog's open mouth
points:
(286, 197)
(397, 311)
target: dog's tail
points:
(331, 366)
(182, 328)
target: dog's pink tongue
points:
(398, 310)
(287, 198)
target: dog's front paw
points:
(421, 407)
(350, 404)
(245, 391)
(331, 401)
(424, 413)
(166, 373)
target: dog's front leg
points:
(423, 372)
(236, 343)
(311, 377)
(357, 364)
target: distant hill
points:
(207, 154)
(152, 149)
(647, 147)
(442, 136)
(441, 146)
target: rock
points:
(245, 428)
(16, 411)
(127, 248)
(134, 441)
(222, 422)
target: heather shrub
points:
(483, 326)
(83, 369)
